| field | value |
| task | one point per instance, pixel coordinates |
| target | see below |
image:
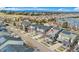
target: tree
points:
(65, 25)
(53, 19)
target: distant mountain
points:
(40, 9)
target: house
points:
(25, 24)
(4, 33)
(55, 24)
(5, 40)
(2, 40)
(52, 34)
(39, 28)
(2, 28)
(16, 48)
(53, 31)
(61, 21)
(66, 38)
(1, 22)
(76, 48)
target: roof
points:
(12, 38)
(66, 35)
(4, 33)
(26, 23)
(55, 30)
(66, 32)
(40, 26)
(61, 20)
(16, 48)
(2, 40)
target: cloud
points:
(60, 9)
(15, 8)
(1, 8)
(11, 9)
(76, 9)
(64, 9)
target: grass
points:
(61, 48)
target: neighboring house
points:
(53, 31)
(2, 27)
(67, 38)
(52, 34)
(16, 48)
(39, 28)
(2, 40)
(25, 24)
(76, 48)
(61, 21)
(3, 33)
(10, 40)
(32, 27)
(55, 24)
(1, 22)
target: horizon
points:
(41, 9)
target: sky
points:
(61, 5)
(39, 3)
(47, 9)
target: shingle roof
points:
(40, 26)
(2, 40)
(12, 38)
(66, 32)
(16, 48)
(26, 23)
(69, 35)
